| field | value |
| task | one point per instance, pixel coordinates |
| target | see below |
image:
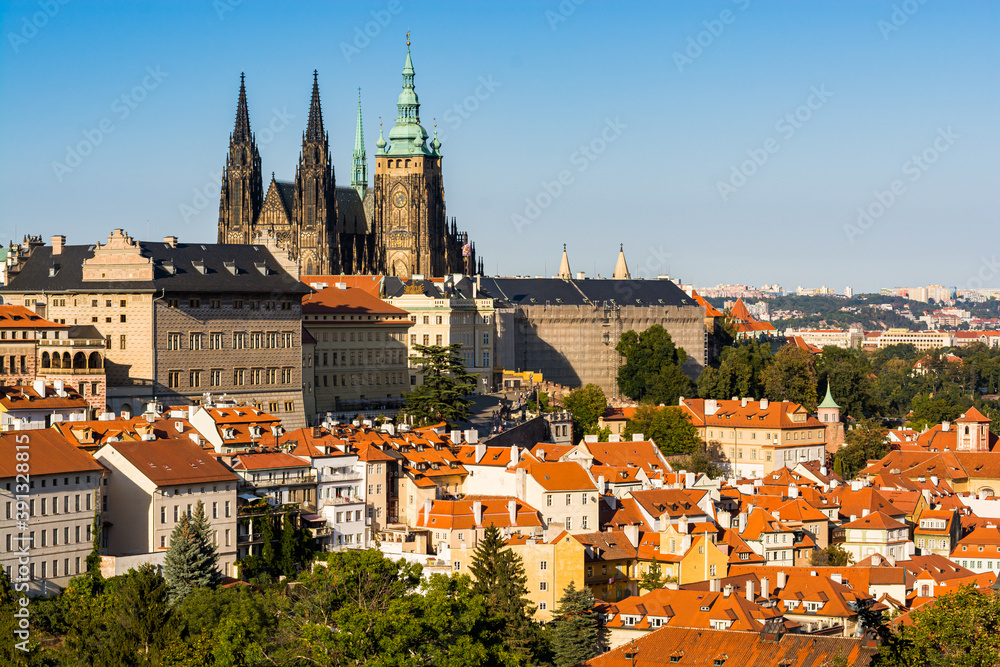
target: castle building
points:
(397, 227)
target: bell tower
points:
(408, 191)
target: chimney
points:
(39, 387)
(477, 512)
(727, 591)
(782, 579)
(836, 576)
(472, 436)
(601, 488)
(854, 517)
(763, 404)
(170, 241)
(765, 587)
(688, 479)
(512, 510)
(777, 515)
(945, 426)
(934, 480)
(456, 438)
(793, 491)
(57, 244)
(741, 522)
(876, 560)
(632, 533)
(864, 512)
(682, 526)
(480, 451)
(711, 406)
(744, 401)
(638, 437)
(427, 510)
(714, 584)
(750, 590)
(823, 471)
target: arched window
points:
(407, 162)
(94, 361)
(66, 361)
(79, 361)
(46, 360)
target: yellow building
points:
(755, 438)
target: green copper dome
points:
(828, 402)
(408, 137)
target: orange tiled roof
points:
(350, 301)
(19, 317)
(50, 454)
(267, 461)
(460, 514)
(875, 521)
(169, 462)
(561, 476)
(370, 284)
(973, 416)
(673, 503)
(698, 646)
(25, 397)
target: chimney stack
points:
(750, 591)
(727, 591)
(170, 241)
(57, 244)
(782, 579)
(765, 587)
(477, 511)
(714, 584)
(512, 510)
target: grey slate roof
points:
(555, 291)
(286, 193)
(34, 275)
(350, 212)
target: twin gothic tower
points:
(397, 227)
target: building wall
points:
(575, 345)
(272, 324)
(358, 360)
(444, 321)
(66, 554)
(555, 510)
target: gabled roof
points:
(460, 514)
(609, 545)
(701, 647)
(50, 454)
(674, 503)
(561, 476)
(973, 416)
(267, 461)
(171, 462)
(875, 521)
(350, 301)
(19, 317)
(25, 397)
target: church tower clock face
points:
(399, 199)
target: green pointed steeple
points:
(828, 402)
(408, 137)
(359, 172)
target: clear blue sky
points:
(883, 88)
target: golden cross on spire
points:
(407, 38)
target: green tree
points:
(502, 582)
(670, 428)
(850, 376)
(140, 606)
(296, 546)
(575, 627)
(698, 462)
(740, 372)
(791, 376)
(94, 557)
(446, 385)
(865, 442)
(652, 369)
(961, 629)
(190, 561)
(586, 404)
(833, 556)
(653, 578)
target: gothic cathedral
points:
(397, 227)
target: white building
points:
(152, 484)
(54, 518)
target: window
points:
(239, 340)
(548, 500)
(584, 522)
(543, 565)
(173, 341)
(173, 379)
(122, 319)
(239, 376)
(569, 499)
(543, 586)
(163, 514)
(195, 378)
(569, 523)
(542, 606)
(215, 377)
(215, 304)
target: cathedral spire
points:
(408, 137)
(359, 173)
(242, 129)
(314, 130)
(564, 271)
(621, 268)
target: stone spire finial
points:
(621, 267)
(564, 271)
